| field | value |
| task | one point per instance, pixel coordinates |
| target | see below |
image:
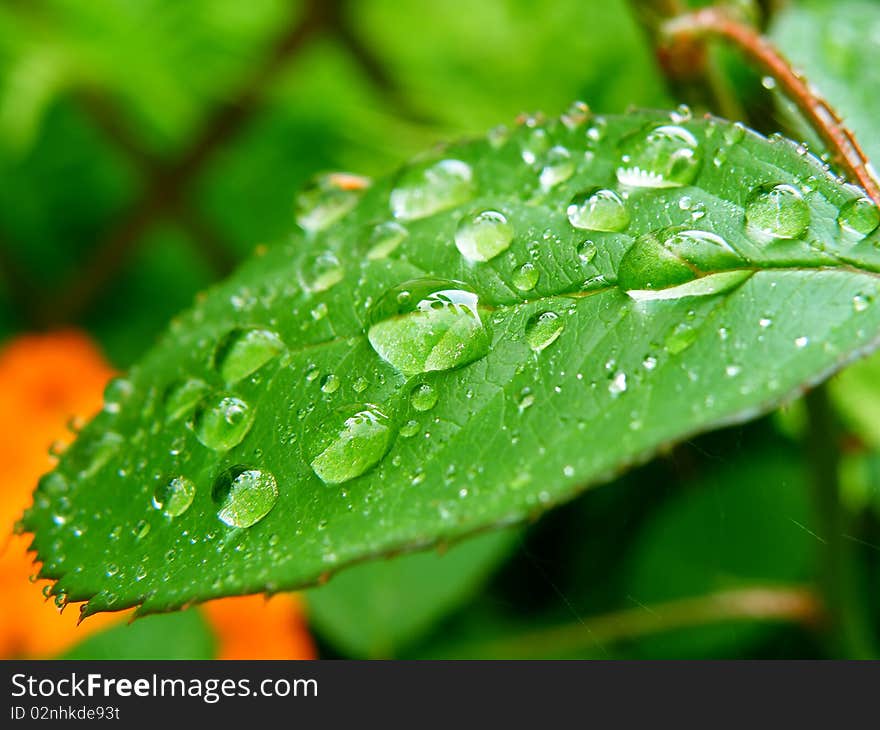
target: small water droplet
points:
(617, 385)
(860, 302)
(577, 114)
(649, 363)
(680, 338)
(321, 272)
(384, 239)
(526, 277)
(424, 397)
(483, 236)
(535, 145)
(350, 443)
(665, 157)
(222, 421)
(801, 342)
(360, 384)
(244, 496)
(175, 496)
(330, 383)
(768, 82)
(438, 327)
(587, 252)
(327, 198)
(117, 392)
(526, 399)
(598, 210)
(243, 351)
(543, 329)
(313, 372)
(777, 211)
(53, 484)
(409, 429)
(558, 167)
(429, 188)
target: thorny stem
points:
(840, 141)
(850, 625)
(759, 603)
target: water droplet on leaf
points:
(244, 496)
(543, 329)
(175, 496)
(384, 239)
(429, 188)
(243, 351)
(665, 157)
(438, 327)
(858, 218)
(182, 396)
(558, 167)
(777, 211)
(598, 210)
(350, 443)
(222, 422)
(526, 277)
(483, 236)
(424, 397)
(327, 198)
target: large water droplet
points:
(598, 210)
(384, 239)
(526, 277)
(858, 218)
(327, 198)
(428, 189)
(667, 259)
(543, 329)
(665, 157)
(222, 422)
(243, 351)
(423, 397)
(777, 211)
(244, 496)
(483, 236)
(435, 327)
(350, 443)
(181, 397)
(175, 496)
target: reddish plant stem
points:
(840, 141)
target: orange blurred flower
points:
(44, 380)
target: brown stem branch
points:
(759, 603)
(840, 141)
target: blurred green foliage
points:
(123, 192)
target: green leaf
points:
(457, 355)
(183, 635)
(837, 46)
(748, 524)
(378, 609)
